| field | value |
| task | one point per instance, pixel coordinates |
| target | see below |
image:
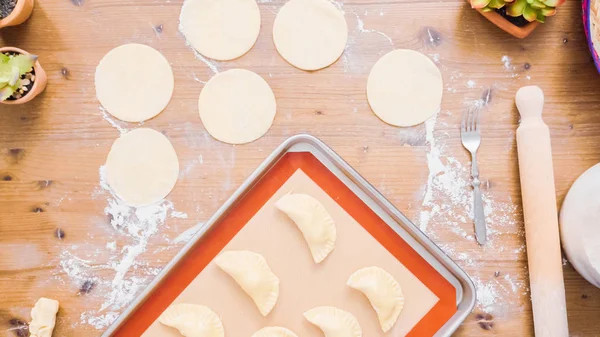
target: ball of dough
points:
(237, 106)
(142, 167)
(310, 34)
(134, 82)
(220, 29)
(404, 88)
(580, 225)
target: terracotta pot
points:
(19, 15)
(40, 78)
(507, 26)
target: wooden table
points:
(51, 149)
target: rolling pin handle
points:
(530, 102)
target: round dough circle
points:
(237, 106)
(580, 225)
(142, 167)
(134, 82)
(404, 88)
(220, 29)
(310, 34)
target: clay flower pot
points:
(39, 84)
(20, 14)
(507, 26)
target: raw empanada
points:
(274, 331)
(251, 271)
(314, 222)
(193, 320)
(334, 322)
(383, 291)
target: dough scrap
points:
(220, 29)
(251, 271)
(404, 88)
(314, 222)
(134, 82)
(310, 34)
(274, 331)
(43, 317)
(580, 225)
(193, 320)
(142, 167)
(334, 322)
(383, 291)
(237, 106)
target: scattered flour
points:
(360, 26)
(117, 270)
(188, 234)
(120, 126)
(470, 84)
(506, 60)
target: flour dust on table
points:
(117, 272)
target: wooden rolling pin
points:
(541, 219)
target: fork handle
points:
(478, 214)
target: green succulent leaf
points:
(517, 8)
(4, 58)
(14, 76)
(552, 3)
(6, 92)
(496, 4)
(24, 63)
(537, 4)
(5, 74)
(541, 18)
(548, 11)
(479, 3)
(530, 14)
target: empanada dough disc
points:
(220, 29)
(580, 225)
(142, 167)
(237, 106)
(134, 82)
(404, 88)
(310, 34)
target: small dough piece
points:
(314, 222)
(310, 34)
(193, 320)
(251, 271)
(334, 322)
(237, 106)
(220, 29)
(134, 82)
(142, 167)
(404, 88)
(580, 225)
(43, 317)
(383, 291)
(274, 331)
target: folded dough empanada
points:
(274, 331)
(334, 322)
(251, 271)
(193, 320)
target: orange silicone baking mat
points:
(253, 223)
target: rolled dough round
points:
(310, 34)
(237, 106)
(142, 167)
(404, 88)
(580, 225)
(134, 82)
(220, 29)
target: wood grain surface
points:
(51, 149)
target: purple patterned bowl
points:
(589, 31)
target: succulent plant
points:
(531, 10)
(12, 67)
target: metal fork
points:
(471, 139)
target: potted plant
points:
(14, 12)
(21, 76)
(516, 17)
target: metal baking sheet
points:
(370, 231)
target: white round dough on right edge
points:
(142, 167)
(580, 225)
(310, 34)
(134, 82)
(237, 106)
(404, 88)
(220, 29)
